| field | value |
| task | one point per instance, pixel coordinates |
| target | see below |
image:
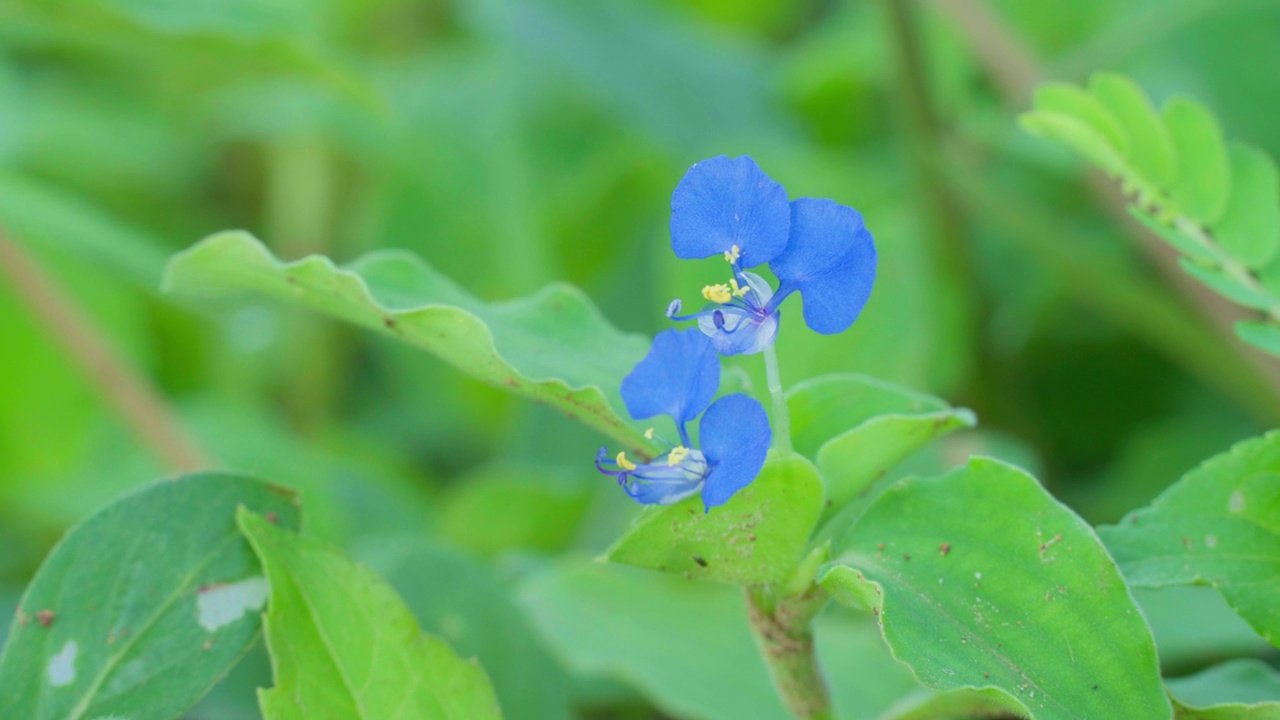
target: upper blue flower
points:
(730, 206)
(678, 378)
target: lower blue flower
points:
(678, 378)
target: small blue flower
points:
(730, 206)
(678, 378)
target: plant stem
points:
(785, 636)
(129, 393)
(298, 202)
(1230, 265)
(781, 419)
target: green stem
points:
(785, 635)
(299, 196)
(1230, 265)
(781, 419)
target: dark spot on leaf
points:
(46, 618)
(390, 322)
(986, 674)
(944, 548)
(906, 556)
(282, 491)
(270, 517)
(698, 559)
(880, 547)
(1095, 687)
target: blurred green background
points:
(513, 143)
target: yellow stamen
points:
(719, 293)
(624, 463)
(677, 455)
(648, 434)
(739, 291)
(732, 254)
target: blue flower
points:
(817, 248)
(678, 378)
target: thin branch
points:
(1004, 56)
(130, 394)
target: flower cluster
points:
(816, 248)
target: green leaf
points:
(1249, 230)
(1235, 690)
(685, 645)
(1077, 134)
(49, 216)
(1151, 152)
(959, 704)
(1203, 182)
(142, 607)
(468, 605)
(553, 347)
(1260, 334)
(757, 537)
(982, 580)
(718, 673)
(1219, 525)
(343, 645)
(1227, 286)
(1073, 101)
(539, 509)
(1217, 632)
(824, 407)
(1188, 246)
(851, 462)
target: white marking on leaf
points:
(219, 605)
(62, 667)
(1235, 503)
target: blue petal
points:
(831, 260)
(735, 438)
(724, 202)
(678, 377)
(739, 332)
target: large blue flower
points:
(678, 378)
(730, 206)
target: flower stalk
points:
(781, 420)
